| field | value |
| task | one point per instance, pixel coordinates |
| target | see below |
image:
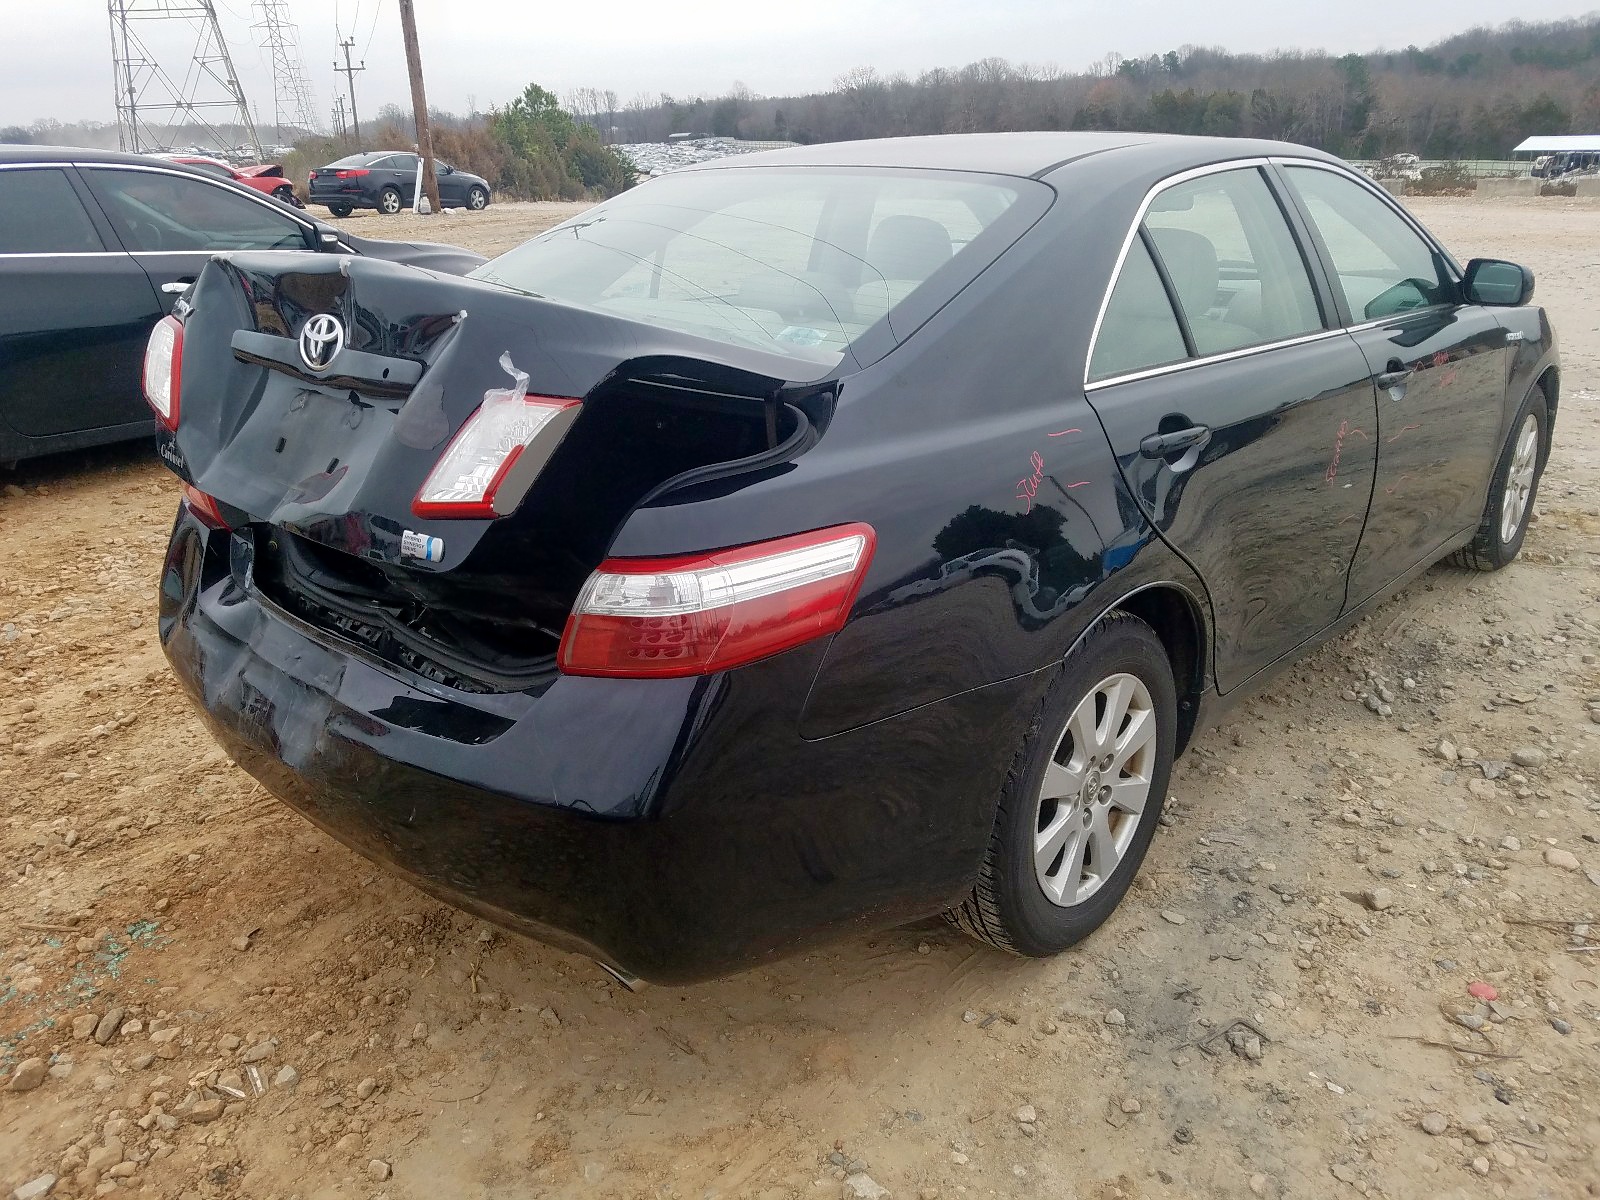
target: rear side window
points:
(154, 211)
(1382, 264)
(1139, 329)
(43, 215)
(1233, 263)
(796, 262)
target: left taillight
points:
(656, 617)
(487, 467)
(163, 367)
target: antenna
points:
(291, 91)
(152, 109)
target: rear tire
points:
(341, 210)
(389, 202)
(1513, 491)
(1067, 840)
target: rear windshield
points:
(809, 263)
(355, 160)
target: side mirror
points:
(1495, 282)
(325, 238)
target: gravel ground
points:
(1358, 960)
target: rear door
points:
(172, 223)
(75, 311)
(1440, 366)
(1242, 422)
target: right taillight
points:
(163, 367)
(654, 617)
(350, 174)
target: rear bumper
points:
(676, 829)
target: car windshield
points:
(355, 160)
(797, 262)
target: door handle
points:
(1159, 445)
(174, 286)
(1393, 379)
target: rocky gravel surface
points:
(1363, 956)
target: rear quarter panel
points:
(1004, 528)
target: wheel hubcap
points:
(1095, 790)
(1519, 480)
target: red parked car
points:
(268, 177)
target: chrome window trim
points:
(9, 254)
(1321, 335)
(1245, 351)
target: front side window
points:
(1139, 330)
(1232, 261)
(43, 215)
(1383, 265)
(153, 211)
(799, 263)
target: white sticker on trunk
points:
(420, 545)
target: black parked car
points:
(95, 247)
(387, 181)
(815, 541)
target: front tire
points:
(389, 202)
(1082, 800)
(286, 196)
(477, 199)
(1513, 490)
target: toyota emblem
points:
(321, 339)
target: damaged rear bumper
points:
(676, 829)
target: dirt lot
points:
(407, 1051)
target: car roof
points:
(1028, 155)
(76, 154)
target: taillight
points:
(163, 365)
(204, 506)
(652, 617)
(349, 174)
(487, 467)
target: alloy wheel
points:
(1519, 479)
(1095, 788)
(390, 202)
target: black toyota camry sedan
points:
(819, 540)
(95, 247)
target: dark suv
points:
(387, 181)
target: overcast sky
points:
(55, 58)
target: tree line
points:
(1474, 95)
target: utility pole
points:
(350, 77)
(419, 104)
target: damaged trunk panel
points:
(317, 470)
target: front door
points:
(1440, 368)
(452, 188)
(1243, 426)
(74, 314)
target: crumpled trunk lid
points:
(318, 469)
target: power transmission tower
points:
(151, 106)
(291, 91)
(350, 77)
